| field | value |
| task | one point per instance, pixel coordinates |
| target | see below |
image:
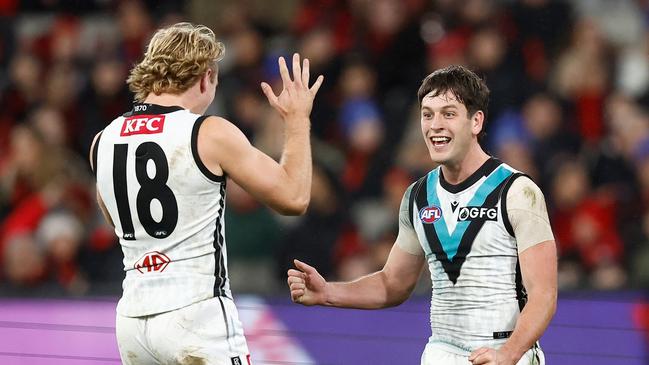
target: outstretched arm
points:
(284, 186)
(388, 287)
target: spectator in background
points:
(585, 227)
(24, 261)
(104, 97)
(581, 76)
(535, 139)
(361, 125)
(23, 91)
(49, 122)
(254, 235)
(324, 226)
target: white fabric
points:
(528, 214)
(194, 268)
(483, 300)
(194, 334)
(440, 354)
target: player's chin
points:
(439, 157)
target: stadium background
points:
(569, 106)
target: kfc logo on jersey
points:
(152, 261)
(430, 214)
(143, 124)
(477, 213)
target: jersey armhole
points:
(503, 201)
(194, 142)
(95, 148)
(413, 195)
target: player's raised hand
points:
(296, 98)
(307, 286)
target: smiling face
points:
(448, 129)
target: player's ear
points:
(204, 81)
(477, 121)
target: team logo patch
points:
(430, 214)
(152, 261)
(143, 124)
(236, 360)
(477, 213)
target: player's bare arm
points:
(100, 202)
(283, 186)
(538, 262)
(538, 268)
(388, 287)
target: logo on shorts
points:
(236, 360)
(152, 261)
(430, 214)
(143, 124)
(477, 213)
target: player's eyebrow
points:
(443, 108)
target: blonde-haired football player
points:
(161, 173)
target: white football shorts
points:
(439, 354)
(208, 332)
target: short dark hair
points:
(468, 88)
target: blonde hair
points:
(176, 58)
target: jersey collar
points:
(151, 109)
(487, 168)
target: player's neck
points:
(455, 173)
(186, 100)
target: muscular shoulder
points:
(525, 194)
(407, 237)
(218, 128)
(528, 214)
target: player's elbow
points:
(294, 206)
(395, 292)
(546, 298)
(396, 300)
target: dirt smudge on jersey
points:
(131, 357)
(531, 195)
(192, 360)
(175, 158)
(176, 162)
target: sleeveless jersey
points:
(167, 207)
(472, 256)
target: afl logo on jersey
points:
(430, 214)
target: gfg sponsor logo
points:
(477, 213)
(430, 214)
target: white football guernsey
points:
(472, 254)
(167, 208)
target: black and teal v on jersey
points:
(452, 247)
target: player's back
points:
(167, 208)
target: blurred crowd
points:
(569, 106)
